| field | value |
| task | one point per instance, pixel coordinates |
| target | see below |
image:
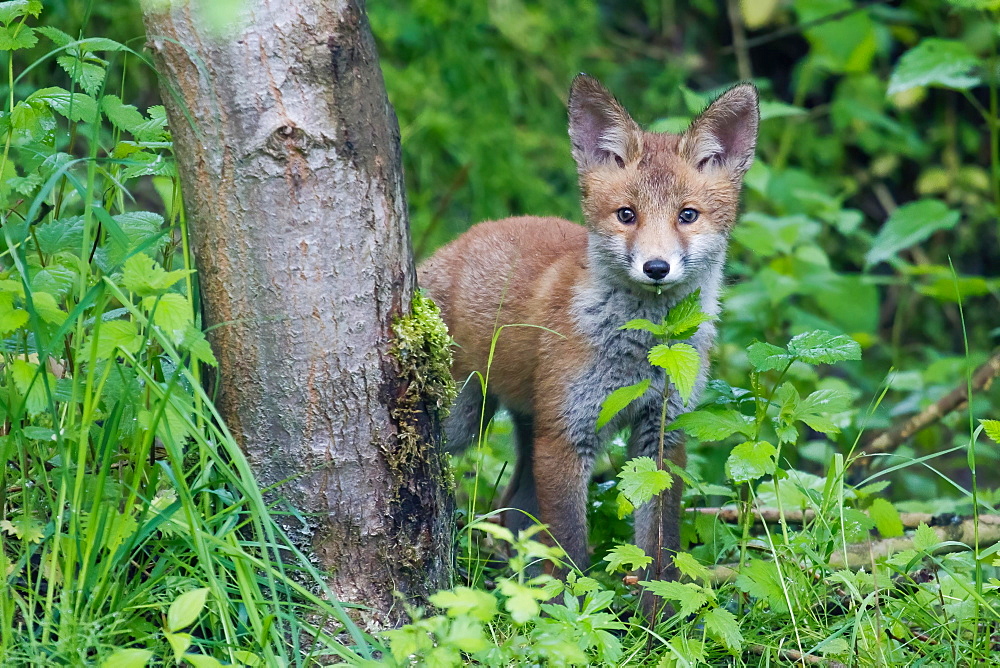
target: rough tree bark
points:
(288, 152)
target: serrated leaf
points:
(682, 363)
(171, 313)
(89, 76)
(691, 596)
(466, 601)
(722, 625)
(11, 317)
(992, 429)
(820, 347)
(909, 225)
(28, 381)
(47, 308)
(626, 557)
(143, 276)
(886, 518)
(935, 62)
(925, 538)
(17, 36)
(63, 234)
(619, 399)
(760, 579)
(641, 480)
(115, 334)
(123, 116)
(100, 44)
(713, 423)
(751, 460)
(767, 356)
(522, 601)
(24, 528)
(55, 34)
(644, 325)
(691, 567)
(185, 609)
(15, 9)
(128, 658)
(685, 317)
(195, 343)
(74, 106)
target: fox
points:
(658, 211)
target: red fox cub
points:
(659, 209)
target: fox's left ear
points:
(725, 134)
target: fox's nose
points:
(656, 269)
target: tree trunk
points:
(288, 152)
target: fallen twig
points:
(773, 515)
(954, 400)
(797, 656)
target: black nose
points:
(656, 269)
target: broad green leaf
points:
(185, 609)
(935, 62)
(722, 625)
(89, 76)
(115, 334)
(690, 595)
(29, 382)
(626, 557)
(124, 116)
(713, 423)
(128, 658)
(195, 342)
(619, 399)
(179, 643)
(47, 308)
(202, 660)
(63, 234)
(522, 600)
(685, 317)
(814, 410)
(11, 317)
(15, 9)
(691, 567)
(819, 347)
(925, 538)
(466, 601)
(760, 579)
(751, 460)
(886, 518)
(55, 279)
(171, 313)
(248, 658)
(682, 363)
(143, 276)
(909, 225)
(992, 429)
(983, 5)
(17, 36)
(645, 325)
(641, 480)
(766, 356)
(74, 106)
(26, 117)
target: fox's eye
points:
(626, 215)
(687, 215)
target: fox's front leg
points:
(561, 479)
(657, 523)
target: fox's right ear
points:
(600, 130)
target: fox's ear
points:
(725, 135)
(600, 130)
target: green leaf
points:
(522, 601)
(773, 109)
(47, 308)
(123, 116)
(935, 62)
(691, 596)
(143, 276)
(925, 538)
(55, 279)
(626, 557)
(100, 44)
(128, 658)
(713, 423)
(685, 317)
(185, 609)
(17, 36)
(116, 334)
(195, 342)
(886, 518)
(751, 460)
(11, 317)
(691, 567)
(766, 356)
(814, 410)
(28, 381)
(722, 625)
(171, 313)
(74, 106)
(909, 225)
(89, 76)
(462, 601)
(619, 399)
(760, 579)
(56, 35)
(202, 660)
(819, 347)
(682, 363)
(645, 325)
(25, 528)
(179, 642)
(641, 480)
(992, 429)
(63, 234)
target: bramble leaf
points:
(722, 625)
(144, 276)
(682, 363)
(690, 595)
(992, 429)
(767, 356)
(626, 557)
(691, 567)
(760, 579)
(820, 347)
(641, 480)
(685, 317)
(751, 460)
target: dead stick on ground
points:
(954, 400)
(797, 656)
(772, 516)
